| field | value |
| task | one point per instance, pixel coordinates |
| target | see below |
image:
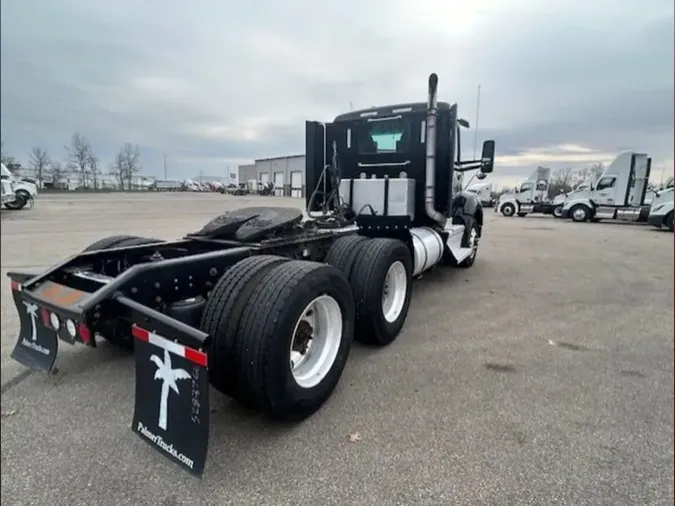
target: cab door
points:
(605, 191)
(525, 193)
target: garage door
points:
(296, 184)
(264, 177)
(279, 184)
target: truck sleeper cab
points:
(618, 194)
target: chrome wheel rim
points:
(579, 213)
(316, 341)
(394, 291)
(473, 242)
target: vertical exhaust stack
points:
(430, 183)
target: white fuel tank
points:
(427, 247)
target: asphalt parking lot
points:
(542, 375)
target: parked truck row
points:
(619, 193)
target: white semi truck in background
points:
(8, 194)
(618, 194)
(484, 193)
(661, 209)
(16, 193)
(582, 190)
(530, 197)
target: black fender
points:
(467, 210)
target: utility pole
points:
(475, 132)
(165, 156)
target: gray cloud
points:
(212, 83)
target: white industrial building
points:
(286, 172)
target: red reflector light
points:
(85, 334)
(16, 287)
(44, 315)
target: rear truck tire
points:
(295, 336)
(508, 210)
(557, 211)
(222, 314)
(343, 253)
(669, 222)
(580, 213)
(117, 332)
(382, 284)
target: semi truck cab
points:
(661, 209)
(619, 192)
(8, 194)
(530, 197)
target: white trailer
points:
(167, 186)
(619, 193)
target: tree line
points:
(80, 161)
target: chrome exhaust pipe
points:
(430, 183)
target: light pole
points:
(475, 132)
(165, 157)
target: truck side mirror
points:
(481, 175)
(488, 157)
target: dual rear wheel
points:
(282, 330)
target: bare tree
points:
(591, 173)
(561, 181)
(39, 160)
(79, 156)
(9, 161)
(127, 163)
(596, 171)
(93, 169)
(117, 170)
(58, 172)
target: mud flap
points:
(171, 410)
(37, 344)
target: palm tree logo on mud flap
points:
(31, 310)
(168, 376)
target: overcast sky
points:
(215, 83)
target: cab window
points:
(526, 187)
(390, 135)
(606, 182)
